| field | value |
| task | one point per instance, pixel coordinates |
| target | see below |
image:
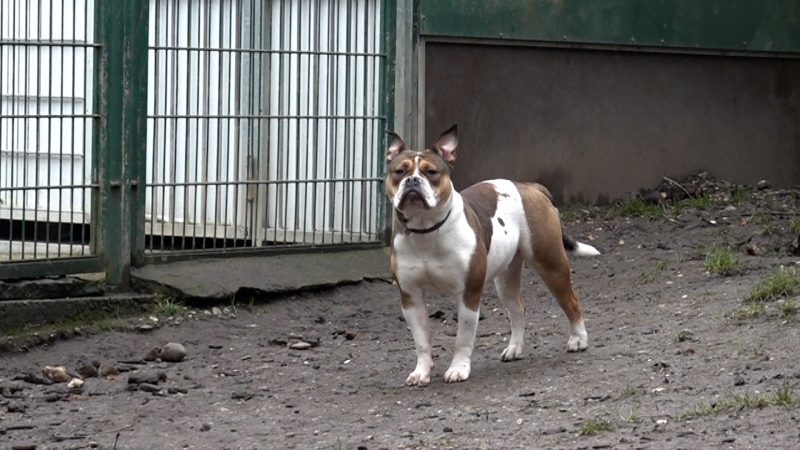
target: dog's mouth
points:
(412, 197)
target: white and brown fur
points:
(453, 243)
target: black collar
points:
(435, 227)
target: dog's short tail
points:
(578, 248)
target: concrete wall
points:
(595, 125)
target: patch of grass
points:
(169, 306)
(652, 275)
(704, 202)
(104, 319)
(782, 397)
(783, 283)
(769, 227)
(636, 207)
(748, 312)
(794, 225)
(788, 308)
(631, 416)
(739, 196)
(720, 260)
(629, 391)
(592, 427)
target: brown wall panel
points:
(595, 125)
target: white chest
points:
(436, 262)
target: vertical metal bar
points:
(25, 119)
(155, 111)
(280, 145)
(387, 106)
(49, 120)
(218, 152)
(83, 122)
(176, 94)
(38, 127)
(207, 121)
(316, 112)
(120, 81)
(236, 69)
(187, 122)
(2, 111)
(228, 122)
(13, 155)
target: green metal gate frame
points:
(119, 145)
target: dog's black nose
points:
(414, 181)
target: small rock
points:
(87, 370)
(447, 430)
(350, 335)
(75, 383)
(177, 390)
(300, 345)
(16, 407)
(107, 370)
(754, 250)
(145, 327)
(33, 378)
(147, 387)
(58, 374)
(152, 354)
(205, 427)
(739, 381)
(242, 395)
(51, 397)
(147, 376)
(216, 311)
(173, 352)
(763, 184)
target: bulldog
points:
(453, 243)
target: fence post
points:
(121, 28)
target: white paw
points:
(457, 372)
(418, 378)
(511, 353)
(577, 343)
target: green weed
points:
(748, 312)
(783, 283)
(788, 308)
(782, 397)
(794, 225)
(169, 306)
(636, 207)
(592, 427)
(720, 260)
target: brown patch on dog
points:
(405, 300)
(476, 274)
(482, 198)
(549, 258)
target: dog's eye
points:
(431, 172)
(399, 171)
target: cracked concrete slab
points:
(215, 278)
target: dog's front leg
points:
(416, 315)
(465, 340)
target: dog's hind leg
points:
(508, 284)
(550, 262)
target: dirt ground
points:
(668, 364)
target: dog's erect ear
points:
(396, 145)
(447, 144)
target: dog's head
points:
(420, 180)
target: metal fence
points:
(263, 123)
(230, 125)
(46, 122)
